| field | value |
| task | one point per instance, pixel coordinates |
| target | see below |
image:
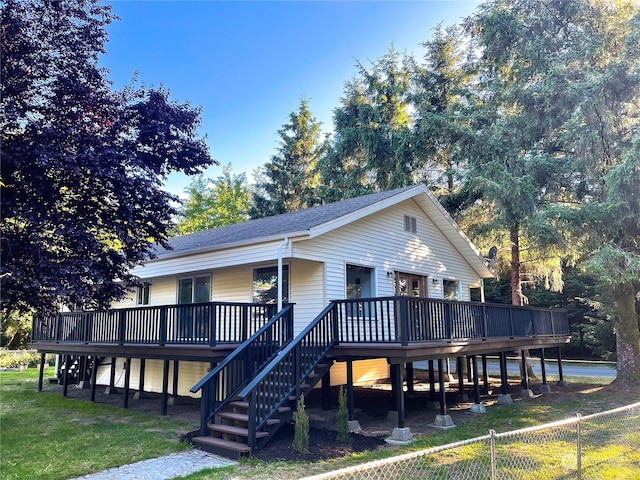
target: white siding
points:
(209, 261)
(188, 375)
(364, 371)
(307, 291)
(380, 242)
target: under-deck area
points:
(250, 352)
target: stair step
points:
(239, 404)
(223, 447)
(240, 417)
(230, 429)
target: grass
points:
(46, 436)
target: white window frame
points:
(143, 294)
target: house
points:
(341, 293)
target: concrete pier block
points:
(400, 436)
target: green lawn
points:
(46, 436)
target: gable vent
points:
(410, 224)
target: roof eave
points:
(226, 246)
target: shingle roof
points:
(278, 225)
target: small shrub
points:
(343, 417)
(301, 435)
(18, 358)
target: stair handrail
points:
(293, 349)
(286, 316)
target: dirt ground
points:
(372, 406)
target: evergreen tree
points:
(289, 181)
(562, 83)
(372, 146)
(443, 97)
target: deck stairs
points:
(77, 369)
(244, 406)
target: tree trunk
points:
(627, 333)
(516, 291)
(516, 288)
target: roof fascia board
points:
(227, 246)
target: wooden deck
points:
(259, 367)
(368, 328)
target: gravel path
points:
(162, 468)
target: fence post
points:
(579, 447)
(492, 444)
(404, 322)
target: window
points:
(193, 321)
(410, 285)
(194, 289)
(143, 295)
(451, 289)
(410, 224)
(359, 282)
(265, 284)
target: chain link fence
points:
(600, 446)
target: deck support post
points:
(138, 394)
(545, 388)
(443, 393)
(65, 375)
(350, 405)
(41, 373)
(174, 389)
(127, 379)
(325, 391)
(401, 434)
(165, 388)
(485, 374)
(409, 368)
(504, 398)
(112, 378)
(433, 398)
(525, 391)
(82, 371)
(561, 382)
(477, 407)
(443, 421)
(461, 397)
(397, 392)
(94, 377)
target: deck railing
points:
(407, 320)
(191, 324)
(402, 320)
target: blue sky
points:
(248, 64)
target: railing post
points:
(86, 331)
(163, 326)
(485, 324)
(447, 321)
(253, 405)
(122, 324)
(513, 332)
(334, 323)
(245, 323)
(58, 326)
(404, 321)
(204, 408)
(213, 328)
